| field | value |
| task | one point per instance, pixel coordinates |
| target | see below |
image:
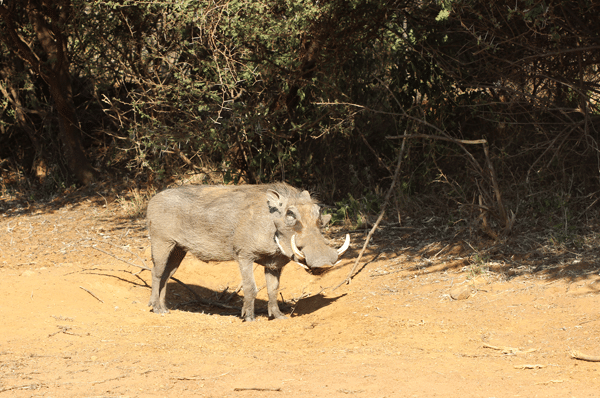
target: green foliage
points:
(233, 84)
(353, 213)
(308, 92)
(478, 265)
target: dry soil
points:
(423, 317)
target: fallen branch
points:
(548, 382)
(191, 378)
(33, 386)
(197, 377)
(536, 366)
(510, 350)
(256, 389)
(112, 379)
(584, 357)
(64, 330)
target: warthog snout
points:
(318, 259)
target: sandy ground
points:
(423, 318)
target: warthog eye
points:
(290, 217)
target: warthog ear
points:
(325, 218)
(305, 195)
(275, 201)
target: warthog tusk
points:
(281, 247)
(344, 247)
(295, 249)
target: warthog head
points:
(298, 221)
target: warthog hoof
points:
(157, 309)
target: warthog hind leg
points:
(167, 257)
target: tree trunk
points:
(78, 163)
(48, 18)
(54, 44)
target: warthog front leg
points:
(272, 277)
(250, 289)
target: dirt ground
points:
(425, 317)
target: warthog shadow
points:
(214, 302)
(313, 303)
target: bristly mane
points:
(285, 190)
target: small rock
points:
(460, 293)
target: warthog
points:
(267, 224)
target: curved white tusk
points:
(345, 246)
(295, 249)
(281, 247)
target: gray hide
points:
(246, 223)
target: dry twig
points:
(256, 389)
(510, 350)
(33, 386)
(381, 214)
(533, 366)
(93, 295)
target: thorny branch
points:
(507, 221)
(381, 214)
